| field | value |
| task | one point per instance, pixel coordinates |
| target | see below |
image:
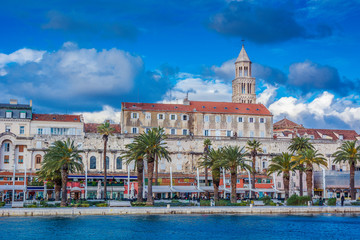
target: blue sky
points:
(89, 56)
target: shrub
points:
(296, 200)
(266, 200)
(2, 204)
(30, 206)
(138, 204)
(101, 205)
(357, 203)
(331, 202)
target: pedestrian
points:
(342, 200)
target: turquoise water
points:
(167, 227)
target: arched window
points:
(118, 163)
(107, 162)
(93, 162)
(38, 159)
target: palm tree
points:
(234, 158)
(297, 145)
(207, 144)
(253, 147)
(133, 153)
(213, 161)
(309, 157)
(152, 144)
(282, 164)
(105, 130)
(64, 156)
(349, 153)
(48, 174)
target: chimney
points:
(13, 101)
(30, 103)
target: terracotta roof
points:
(56, 117)
(202, 107)
(334, 134)
(286, 124)
(92, 127)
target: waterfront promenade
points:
(173, 210)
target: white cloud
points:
(226, 71)
(20, 57)
(267, 96)
(199, 89)
(107, 113)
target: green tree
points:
(309, 157)
(134, 154)
(349, 153)
(105, 130)
(48, 174)
(213, 161)
(297, 145)
(253, 147)
(234, 158)
(283, 164)
(63, 156)
(152, 144)
(207, 144)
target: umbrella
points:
(98, 192)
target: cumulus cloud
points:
(107, 113)
(199, 89)
(73, 76)
(267, 96)
(226, 71)
(263, 22)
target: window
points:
(251, 120)
(172, 131)
(6, 159)
(173, 117)
(206, 118)
(238, 181)
(217, 119)
(228, 119)
(8, 114)
(262, 134)
(23, 115)
(147, 115)
(240, 119)
(7, 128)
(262, 120)
(38, 144)
(264, 164)
(21, 159)
(147, 130)
(341, 137)
(179, 167)
(185, 132)
(251, 133)
(206, 132)
(184, 117)
(7, 147)
(228, 133)
(264, 150)
(240, 133)
(38, 159)
(40, 131)
(107, 162)
(134, 115)
(21, 148)
(22, 129)
(160, 116)
(118, 163)
(93, 162)
(134, 130)
(279, 184)
(312, 137)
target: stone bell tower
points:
(243, 86)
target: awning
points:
(76, 189)
(159, 189)
(186, 189)
(11, 187)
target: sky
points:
(89, 56)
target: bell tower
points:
(243, 86)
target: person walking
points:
(342, 200)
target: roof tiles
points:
(56, 117)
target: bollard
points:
(168, 205)
(251, 205)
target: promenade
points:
(4, 212)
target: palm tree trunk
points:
(64, 178)
(301, 179)
(233, 185)
(352, 181)
(150, 199)
(57, 187)
(286, 180)
(207, 181)
(309, 176)
(216, 181)
(156, 169)
(140, 177)
(253, 174)
(105, 180)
